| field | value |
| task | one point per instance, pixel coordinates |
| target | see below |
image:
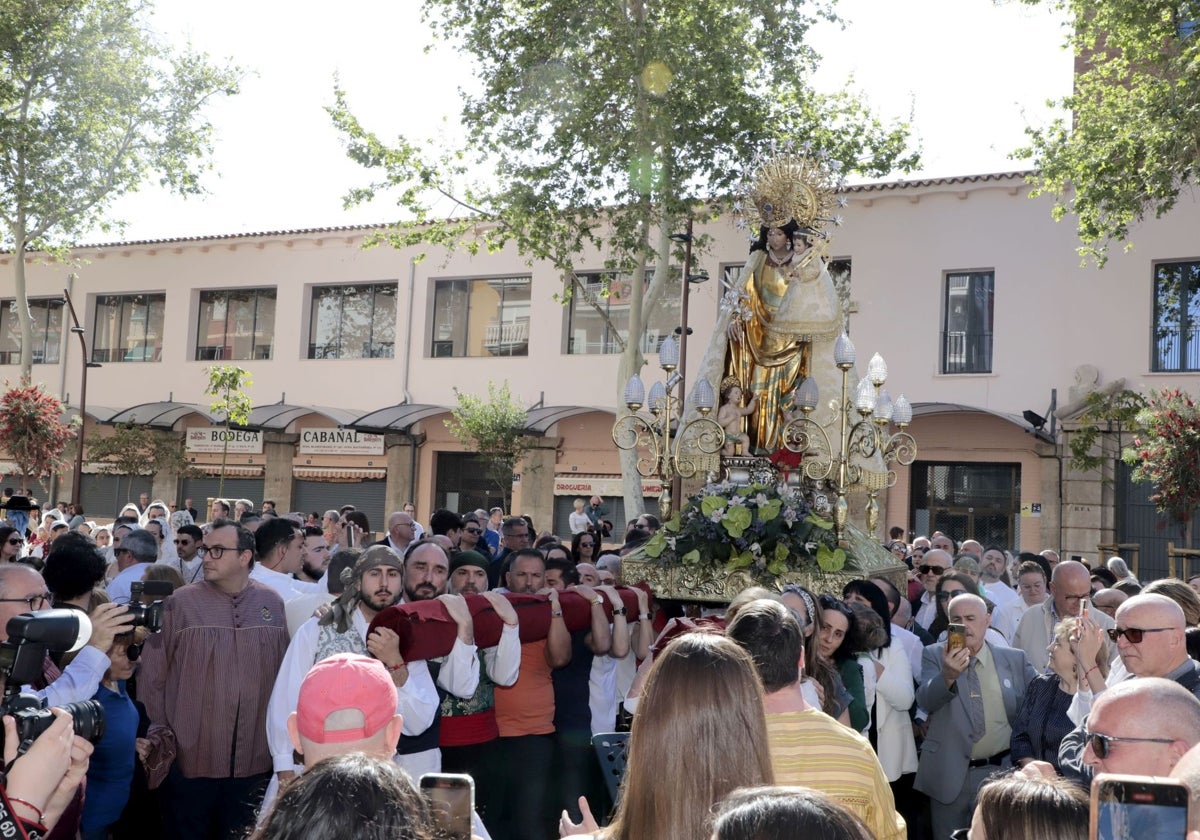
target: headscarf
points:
(342, 611)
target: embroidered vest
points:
(483, 699)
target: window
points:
(47, 331)
(1177, 316)
(589, 332)
(353, 322)
(236, 324)
(481, 317)
(128, 328)
(967, 331)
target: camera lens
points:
(87, 716)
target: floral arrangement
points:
(766, 529)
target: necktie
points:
(975, 702)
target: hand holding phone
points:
(451, 798)
(1138, 806)
(956, 636)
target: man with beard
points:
(469, 735)
(426, 568)
(314, 554)
(375, 584)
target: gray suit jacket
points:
(946, 752)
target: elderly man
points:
(808, 747)
(401, 533)
(1150, 640)
(138, 550)
(1109, 600)
(1070, 587)
(219, 650)
(972, 694)
(1121, 737)
(932, 567)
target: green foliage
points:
(91, 105)
(495, 429)
(32, 431)
(1127, 143)
(227, 386)
(1167, 453)
(1105, 413)
(138, 450)
(594, 121)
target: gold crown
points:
(793, 187)
(730, 382)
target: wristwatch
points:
(619, 610)
(597, 601)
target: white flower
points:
(737, 501)
(760, 499)
(810, 547)
(789, 515)
(756, 549)
(717, 515)
(671, 542)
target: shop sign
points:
(327, 441)
(214, 439)
(604, 486)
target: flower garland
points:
(768, 529)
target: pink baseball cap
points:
(340, 682)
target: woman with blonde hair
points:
(1179, 592)
(702, 696)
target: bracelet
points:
(394, 668)
(40, 817)
(1089, 670)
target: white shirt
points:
(417, 700)
(1006, 618)
(118, 587)
(912, 645)
(190, 569)
(80, 680)
(287, 586)
(1000, 593)
(578, 522)
(928, 611)
(301, 608)
(503, 662)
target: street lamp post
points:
(77, 479)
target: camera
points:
(149, 615)
(31, 636)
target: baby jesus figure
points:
(730, 415)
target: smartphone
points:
(956, 636)
(451, 798)
(1138, 806)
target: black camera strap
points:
(14, 828)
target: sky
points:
(969, 75)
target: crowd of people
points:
(978, 697)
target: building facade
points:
(976, 298)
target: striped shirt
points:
(208, 676)
(813, 750)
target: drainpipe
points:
(406, 396)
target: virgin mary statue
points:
(783, 311)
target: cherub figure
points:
(730, 415)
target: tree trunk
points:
(224, 458)
(23, 316)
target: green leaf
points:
(745, 491)
(781, 554)
(769, 510)
(817, 521)
(777, 567)
(711, 504)
(691, 557)
(737, 520)
(740, 561)
(655, 545)
(830, 560)
(674, 524)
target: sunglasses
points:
(930, 570)
(1134, 635)
(1102, 744)
(947, 596)
(16, 542)
(473, 530)
(182, 542)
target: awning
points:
(338, 473)
(159, 415)
(540, 420)
(586, 486)
(231, 471)
(396, 418)
(98, 413)
(278, 416)
(925, 409)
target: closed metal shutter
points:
(200, 490)
(103, 496)
(368, 496)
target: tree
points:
(1167, 455)
(90, 105)
(495, 429)
(32, 431)
(227, 385)
(137, 450)
(605, 125)
(1128, 142)
(1105, 412)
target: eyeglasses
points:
(473, 530)
(216, 551)
(586, 545)
(182, 542)
(951, 594)
(117, 551)
(931, 570)
(33, 601)
(16, 542)
(1102, 744)
(1134, 635)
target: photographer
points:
(23, 590)
(42, 783)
